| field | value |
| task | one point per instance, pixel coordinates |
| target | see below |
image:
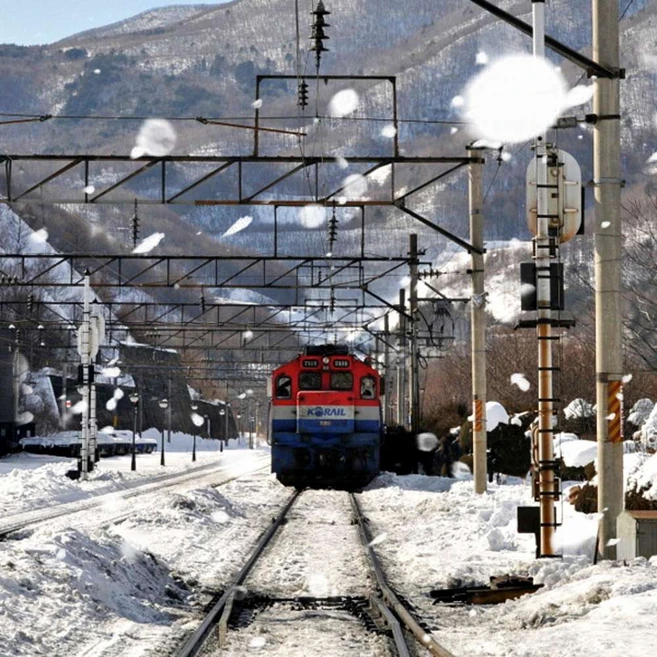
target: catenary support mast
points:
(607, 188)
(478, 320)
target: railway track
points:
(274, 590)
(203, 475)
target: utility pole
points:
(414, 382)
(402, 419)
(478, 319)
(387, 372)
(608, 234)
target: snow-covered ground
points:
(125, 588)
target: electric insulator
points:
(318, 37)
(332, 230)
(202, 303)
(135, 227)
(30, 302)
(303, 94)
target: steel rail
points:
(387, 595)
(201, 636)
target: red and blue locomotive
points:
(326, 420)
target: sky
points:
(30, 22)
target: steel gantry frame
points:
(216, 181)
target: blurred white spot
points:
(61, 554)
(240, 224)
(341, 162)
(318, 585)
(482, 58)
(156, 137)
(79, 408)
(458, 101)
(453, 130)
(96, 71)
(129, 553)
(24, 418)
(200, 232)
(198, 420)
(520, 381)
(526, 289)
(580, 136)
(652, 158)
(579, 95)
(220, 516)
(118, 393)
(460, 470)
(89, 189)
(426, 638)
(611, 416)
(427, 442)
(247, 335)
(147, 245)
(389, 131)
(257, 103)
(111, 372)
(108, 429)
(515, 98)
(39, 236)
(378, 539)
(487, 143)
(613, 541)
(257, 642)
(27, 390)
(472, 612)
(354, 186)
(110, 405)
(605, 224)
(343, 103)
(380, 175)
(627, 378)
(506, 156)
(312, 216)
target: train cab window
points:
(284, 387)
(368, 387)
(342, 381)
(310, 381)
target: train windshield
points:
(284, 387)
(342, 381)
(310, 381)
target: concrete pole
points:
(414, 378)
(543, 248)
(608, 325)
(477, 321)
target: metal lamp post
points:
(163, 404)
(194, 408)
(134, 398)
(222, 438)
